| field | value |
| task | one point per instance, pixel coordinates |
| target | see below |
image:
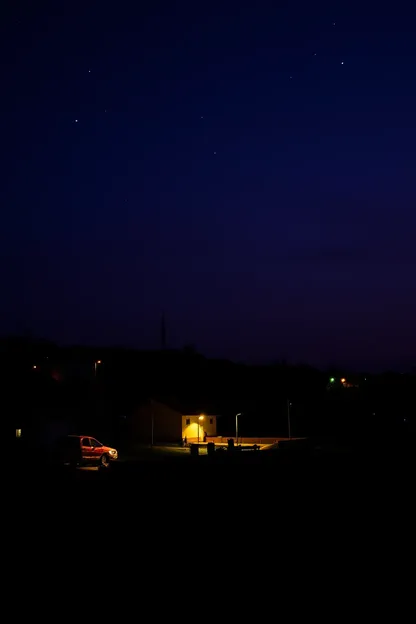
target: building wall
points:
(190, 426)
(167, 424)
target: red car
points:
(81, 450)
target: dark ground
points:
(263, 484)
(247, 528)
(261, 533)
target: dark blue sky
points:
(251, 171)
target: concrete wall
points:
(190, 431)
(167, 424)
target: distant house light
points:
(332, 379)
(18, 433)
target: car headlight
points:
(113, 452)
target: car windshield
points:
(95, 442)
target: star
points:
(201, 117)
(342, 62)
(76, 120)
(333, 23)
(89, 71)
(215, 153)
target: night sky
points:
(248, 168)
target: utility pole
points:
(163, 331)
(153, 421)
(288, 417)
(236, 428)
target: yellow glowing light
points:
(34, 367)
(98, 361)
(18, 433)
(201, 417)
(343, 380)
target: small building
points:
(156, 422)
(196, 426)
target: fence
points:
(224, 440)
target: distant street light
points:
(236, 427)
(200, 419)
(96, 363)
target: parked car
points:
(83, 450)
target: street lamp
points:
(95, 367)
(236, 427)
(200, 419)
(289, 405)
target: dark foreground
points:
(178, 518)
(252, 481)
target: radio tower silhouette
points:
(163, 331)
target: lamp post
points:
(200, 419)
(153, 423)
(96, 363)
(289, 405)
(236, 427)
